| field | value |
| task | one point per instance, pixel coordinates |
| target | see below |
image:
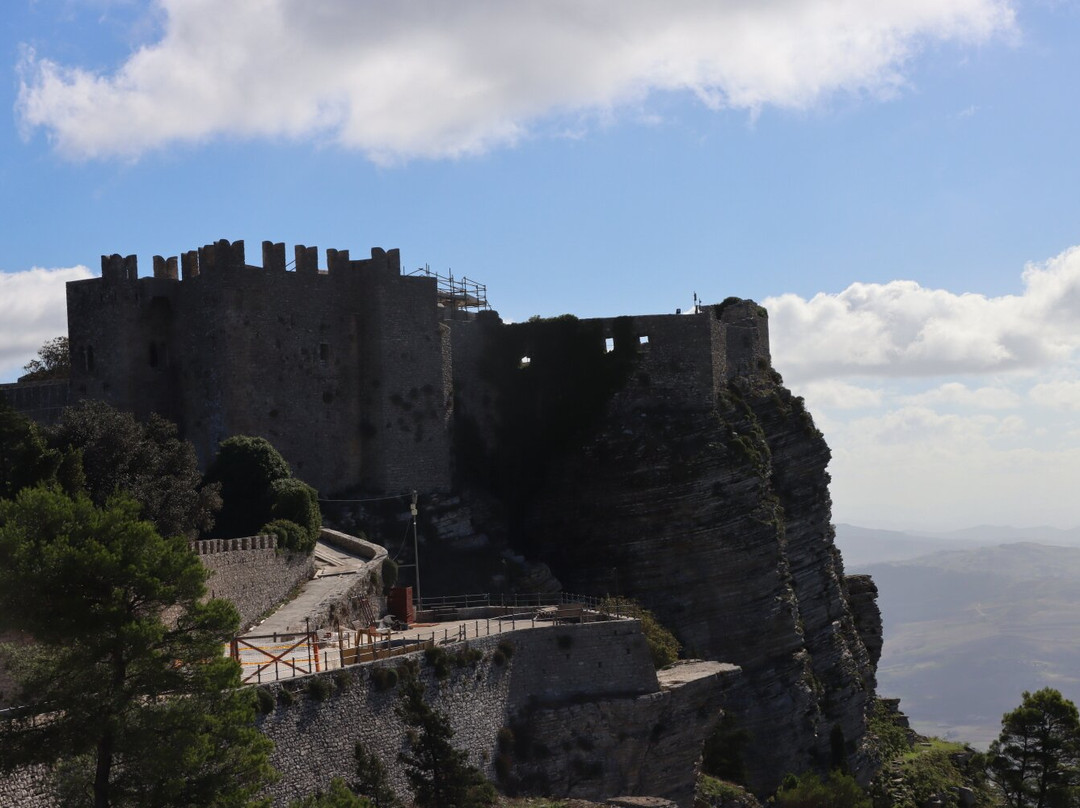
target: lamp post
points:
(416, 548)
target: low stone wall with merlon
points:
(251, 574)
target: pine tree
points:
(439, 774)
(1036, 759)
(125, 686)
(372, 780)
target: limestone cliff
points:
(710, 508)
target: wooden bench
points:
(569, 613)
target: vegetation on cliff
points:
(663, 646)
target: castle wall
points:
(40, 401)
(351, 372)
(119, 331)
(342, 369)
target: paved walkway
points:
(335, 573)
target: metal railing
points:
(516, 601)
(285, 656)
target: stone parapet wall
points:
(209, 546)
(251, 574)
(590, 660)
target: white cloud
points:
(1059, 395)
(832, 394)
(960, 395)
(437, 79)
(901, 329)
(32, 310)
(998, 442)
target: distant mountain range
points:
(864, 545)
(970, 623)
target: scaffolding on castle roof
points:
(456, 293)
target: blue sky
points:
(896, 181)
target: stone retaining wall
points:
(28, 787)
(251, 574)
(578, 729)
(592, 703)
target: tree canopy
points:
(25, 459)
(1035, 762)
(126, 685)
(261, 496)
(52, 362)
(147, 461)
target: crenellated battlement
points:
(357, 372)
(224, 256)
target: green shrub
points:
(930, 774)
(342, 680)
(438, 659)
(713, 793)
(297, 502)
(339, 795)
(663, 646)
(319, 688)
(290, 536)
(384, 678)
(264, 700)
(245, 467)
(498, 658)
(811, 791)
(506, 647)
(504, 739)
(890, 739)
(389, 574)
(286, 697)
(467, 656)
(722, 756)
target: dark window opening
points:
(153, 355)
(609, 345)
(324, 353)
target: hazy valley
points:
(971, 622)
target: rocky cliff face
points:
(715, 517)
(719, 522)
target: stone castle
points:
(355, 371)
(658, 457)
